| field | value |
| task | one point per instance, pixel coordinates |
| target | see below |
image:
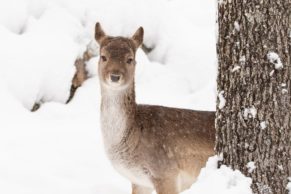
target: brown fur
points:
(155, 147)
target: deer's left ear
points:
(138, 37)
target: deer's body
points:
(154, 147)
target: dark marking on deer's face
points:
(117, 58)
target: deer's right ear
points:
(99, 33)
(138, 37)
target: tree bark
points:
(253, 118)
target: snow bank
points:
(220, 181)
(45, 152)
(38, 65)
(54, 33)
(13, 15)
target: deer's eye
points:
(103, 58)
(129, 61)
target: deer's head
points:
(117, 58)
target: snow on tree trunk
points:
(253, 118)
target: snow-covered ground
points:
(58, 149)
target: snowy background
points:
(58, 148)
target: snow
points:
(289, 185)
(275, 60)
(242, 59)
(236, 26)
(34, 65)
(284, 91)
(58, 149)
(263, 125)
(222, 100)
(251, 166)
(250, 112)
(280, 167)
(236, 68)
(221, 181)
(13, 20)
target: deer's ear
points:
(99, 33)
(138, 37)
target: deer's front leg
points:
(136, 189)
(166, 186)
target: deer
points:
(155, 147)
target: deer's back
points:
(177, 124)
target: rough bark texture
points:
(254, 123)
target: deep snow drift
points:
(58, 149)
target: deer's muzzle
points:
(115, 77)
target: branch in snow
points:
(251, 167)
(275, 60)
(222, 100)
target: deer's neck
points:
(118, 109)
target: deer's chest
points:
(135, 173)
(113, 124)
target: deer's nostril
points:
(114, 77)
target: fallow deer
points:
(155, 147)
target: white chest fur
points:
(113, 121)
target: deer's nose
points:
(114, 77)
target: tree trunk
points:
(253, 118)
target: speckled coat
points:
(155, 147)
